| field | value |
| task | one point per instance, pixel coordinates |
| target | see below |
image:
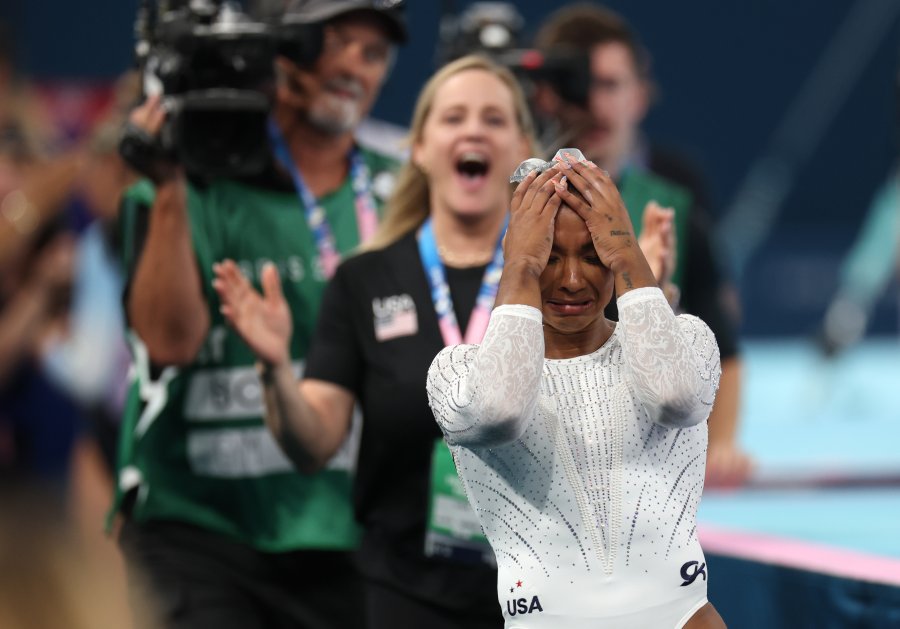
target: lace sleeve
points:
(673, 362)
(483, 395)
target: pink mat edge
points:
(793, 553)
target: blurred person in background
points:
(92, 361)
(222, 528)
(428, 280)
(38, 420)
(870, 265)
(59, 326)
(606, 126)
(43, 443)
(36, 281)
(867, 270)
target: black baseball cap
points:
(311, 11)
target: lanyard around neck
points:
(440, 290)
(366, 213)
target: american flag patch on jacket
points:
(395, 316)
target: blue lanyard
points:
(366, 213)
(440, 290)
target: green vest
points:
(639, 187)
(193, 441)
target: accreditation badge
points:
(453, 530)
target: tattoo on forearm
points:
(619, 232)
(627, 279)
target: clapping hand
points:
(657, 240)
(262, 321)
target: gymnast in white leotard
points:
(582, 443)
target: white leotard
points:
(586, 473)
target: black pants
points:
(182, 577)
(387, 608)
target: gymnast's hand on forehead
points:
(601, 207)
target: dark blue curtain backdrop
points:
(727, 73)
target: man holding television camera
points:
(219, 530)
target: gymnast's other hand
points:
(529, 237)
(600, 205)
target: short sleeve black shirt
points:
(386, 294)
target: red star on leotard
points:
(518, 584)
